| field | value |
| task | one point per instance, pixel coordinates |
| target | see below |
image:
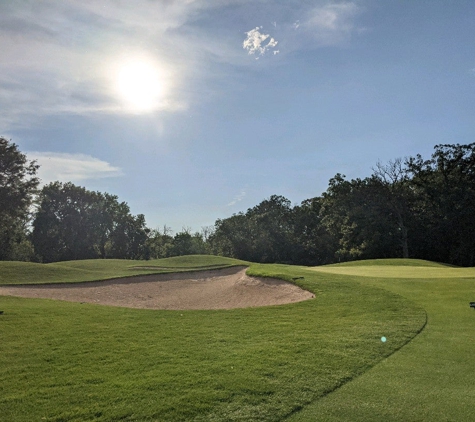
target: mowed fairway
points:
(64, 361)
(431, 378)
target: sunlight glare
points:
(140, 85)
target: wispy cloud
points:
(258, 43)
(57, 57)
(332, 23)
(71, 167)
(238, 198)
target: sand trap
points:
(213, 289)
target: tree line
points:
(62, 221)
(406, 208)
(412, 207)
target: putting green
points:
(387, 271)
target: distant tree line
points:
(62, 221)
(406, 208)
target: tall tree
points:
(272, 222)
(445, 190)
(355, 213)
(314, 244)
(18, 184)
(74, 223)
(391, 185)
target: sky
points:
(193, 110)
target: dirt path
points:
(213, 289)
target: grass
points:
(62, 361)
(13, 272)
(431, 378)
(395, 262)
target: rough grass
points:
(62, 361)
(430, 379)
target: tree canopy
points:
(74, 223)
(18, 184)
(407, 208)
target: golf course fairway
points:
(429, 379)
(370, 345)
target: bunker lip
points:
(226, 288)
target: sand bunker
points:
(213, 289)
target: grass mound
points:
(395, 262)
(13, 272)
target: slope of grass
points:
(62, 361)
(13, 272)
(396, 262)
(391, 271)
(430, 379)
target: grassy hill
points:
(321, 359)
(14, 272)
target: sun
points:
(140, 85)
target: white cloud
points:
(71, 167)
(238, 198)
(57, 56)
(254, 42)
(332, 23)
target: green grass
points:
(396, 262)
(62, 361)
(427, 272)
(430, 379)
(13, 272)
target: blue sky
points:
(193, 110)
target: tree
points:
(272, 223)
(185, 243)
(74, 223)
(18, 184)
(233, 237)
(160, 243)
(355, 213)
(444, 187)
(314, 244)
(392, 185)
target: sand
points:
(212, 289)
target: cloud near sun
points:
(76, 57)
(71, 167)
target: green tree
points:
(18, 184)
(444, 187)
(272, 223)
(393, 193)
(233, 237)
(185, 243)
(356, 213)
(160, 243)
(74, 223)
(314, 244)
